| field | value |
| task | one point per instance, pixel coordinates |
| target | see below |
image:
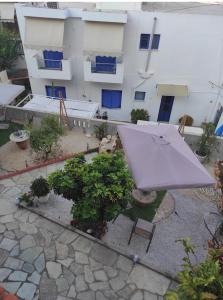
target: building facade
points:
(168, 63)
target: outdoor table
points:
(20, 137)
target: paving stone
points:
(18, 276)
(47, 285)
(100, 275)
(149, 296)
(54, 269)
(173, 285)
(27, 291)
(80, 284)
(28, 268)
(71, 252)
(77, 269)
(67, 237)
(63, 298)
(14, 263)
(110, 294)
(82, 244)
(100, 296)
(7, 244)
(138, 295)
(124, 264)
(19, 234)
(123, 275)
(46, 235)
(51, 226)
(81, 258)
(94, 265)
(126, 292)
(50, 252)
(98, 286)
(3, 256)
(117, 283)
(6, 207)
(30, 254)
(34, 278)
(6, 218)
(2, 228)
(9, 234)
(32, 217)
(72, 292)
(62, 285)
(86, 296)
(65, 262)
(11, 287)
(40, 263)
(88, 275)
(111, 272)
(62, 251)
(12, 225)
(4, 273)
(27, 242)
(28, 228)
(22, 215)
(15, 251)
(149, 280)
(103, 255)
(68, 275)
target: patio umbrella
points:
(159, 158)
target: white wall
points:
(190, 52)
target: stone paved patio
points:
(42, 260)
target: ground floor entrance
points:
(166, 105)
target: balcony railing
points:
(49, 64)
(105, 68)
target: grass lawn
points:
(5, 133)
(147, 212)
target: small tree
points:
(139, 114)
(9, 49)
(44, 140)
(207, 140)
(101, 131)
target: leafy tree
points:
(200, 282)
(139, 114)
(99, 190)
(9, 49)
(44, 139)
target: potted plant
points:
(139, 114)
(26, 199)
(40, 189)
(206, 142)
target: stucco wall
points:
(190, 52)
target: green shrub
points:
(139, 114)
(39, 187)
(44, 140)
(26, 198)
(200, 282)
(101, 131)
(207, 140)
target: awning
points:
(7, 12)
(42, 33)
(177, 90)
(8, 92)
(102, 37)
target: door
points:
(166, 105)
(56, 91)
(218, 115)
(52, 59)
(111, 98)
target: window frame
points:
(142, 92)
(155, 41)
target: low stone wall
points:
(23, 115)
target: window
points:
(140, 95)
(111, 98)
(55, 91)
(104, 64)
(52, 59)
(145, 38)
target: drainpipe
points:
(150, 45)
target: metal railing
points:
(105, 68)
(49, 64)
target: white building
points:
(102, 53)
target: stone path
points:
(41, 260)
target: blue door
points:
(111, 98)
(166, 105)
(56, 91)
(52, 59)
(105, 64)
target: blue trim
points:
(55, 91)
(111, 98)
(166, 105)
(52, 59)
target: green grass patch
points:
(5, 133)
(147, 212)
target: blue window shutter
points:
(144, 41)
(106, 99)
(54, 91)
(105, 64)
(52, 59)
(156, 41)
(111, 98)
(116, 99)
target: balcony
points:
(51, 68)
(103, 72)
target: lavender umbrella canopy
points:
(159, 158)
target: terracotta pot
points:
(200, 157)
(22, 145)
